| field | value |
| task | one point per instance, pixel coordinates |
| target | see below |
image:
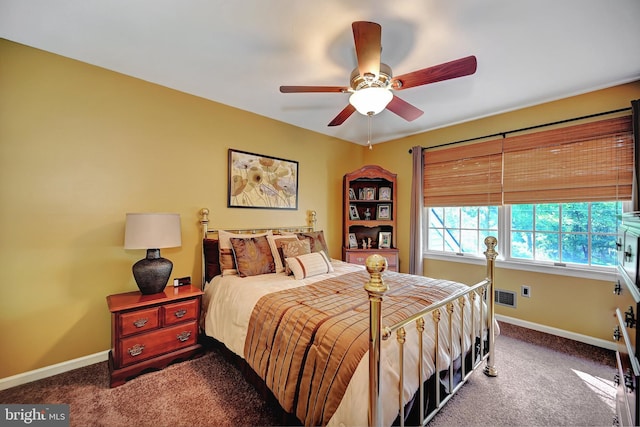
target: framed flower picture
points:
(259, 181)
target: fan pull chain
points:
(369, 139)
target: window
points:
(557, 234)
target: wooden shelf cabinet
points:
(369, 209)
(151, 331)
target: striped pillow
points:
(309, 265)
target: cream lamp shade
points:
(152, 231)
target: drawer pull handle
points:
(616, 380)
(617, 288)
(183, 336)
(628, 380)
(616, 333)
(136, 350)
(180, 313)
(140, 322)
(630, 318)
(628, 254)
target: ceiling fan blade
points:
(343, 115)
(367, 37)
(448, 70)
(303, 89)
(404, 109)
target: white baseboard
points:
(69, 365)
(52, 370)
(609, 345)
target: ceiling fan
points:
(372, 83)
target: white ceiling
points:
(238, 52)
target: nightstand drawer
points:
(146, 346)
(139, 321)
(180, 311)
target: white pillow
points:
(308, 265)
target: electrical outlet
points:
(525, 291)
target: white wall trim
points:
(609, 345)
(102, 356)
(49, 371)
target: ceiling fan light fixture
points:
(370, 101)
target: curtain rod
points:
(503, 134)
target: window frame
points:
(505, 260)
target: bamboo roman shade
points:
(469, 175)
(581, 163)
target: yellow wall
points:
(572, 304)
(81, 146)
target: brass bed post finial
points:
(376, 288)
(491, 255)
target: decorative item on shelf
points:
(367, 214)
(384, 240)
(369, 193)
(152, 231)
(352, 194)
(353, 242)
(353, 212)
(384, 212)
(384, 193)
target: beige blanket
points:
(307, 342)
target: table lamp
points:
(152, 231)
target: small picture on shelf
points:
(384, 212)
(353, 242)
(384, 240)
(384, 193)
(352, 194)
(353, 212)
(369, 193)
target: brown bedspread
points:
(307, 342)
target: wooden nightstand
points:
(151, 331)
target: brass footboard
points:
(479, 326)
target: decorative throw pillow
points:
(316, 240)
(294, 248)
(276, 242)
(309, 265)
(227, 262)
(253, 256)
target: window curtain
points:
(416, 226)
(635, 123)
(587, 162)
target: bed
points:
(338, 343)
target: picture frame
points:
(353, 242)
(352, 194)
(369, 193)
(261, 181)
(353, 212)
(384, 240)
(384, 193)
(384, 212)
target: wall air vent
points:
(506, 298)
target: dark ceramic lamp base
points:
(152, 273)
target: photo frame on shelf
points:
(384, 193)
(353, 212)
(369, 193)
(384, 212)
(352, 194)
(384, 240)
(353, 242)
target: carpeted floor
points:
(542, 381)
